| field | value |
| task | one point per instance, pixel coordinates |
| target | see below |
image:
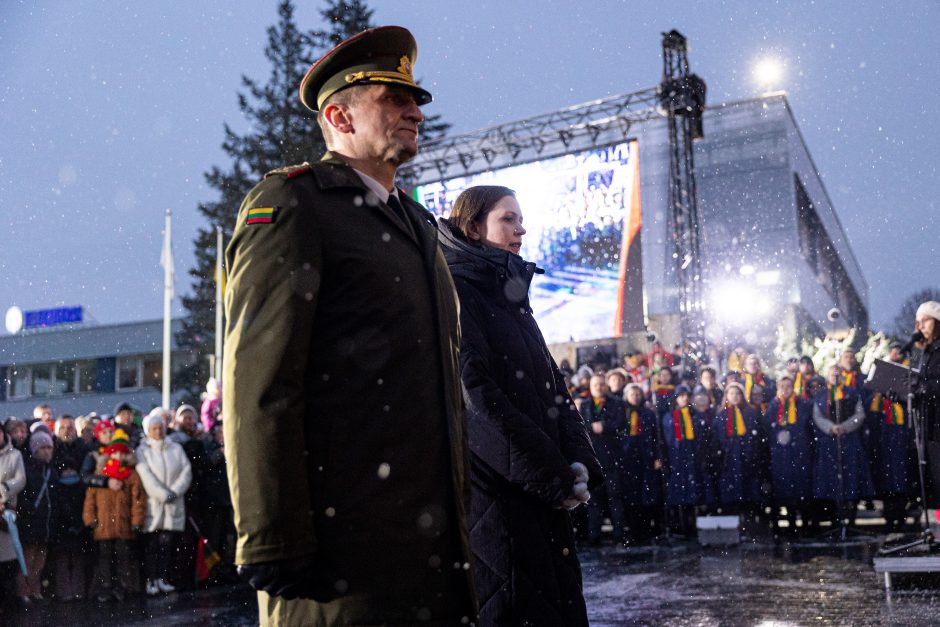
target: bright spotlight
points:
(733, 303)
(768, 72)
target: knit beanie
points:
(189, 408)
(102, 425)
(734, 384)
(930, 308)
(39, 438)
(39, 425)
(154, 417)
(116, 467)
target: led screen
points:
(581, 213)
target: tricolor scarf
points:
(799, 386)
(836, 393)
(788, 417)
(599, 405)
(750, 380)
(636, 427)
(682, 424)
(663, 389)
(734, 423)
(851, 378)
(893, 412)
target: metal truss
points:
(574, 128)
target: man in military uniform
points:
(343, 419)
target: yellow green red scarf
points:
(790, 418)
(893, 412)
(734, 424)
(636, 428)
(682, 424)
(799, 386)
(836, 393)
(749, 381)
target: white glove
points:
(579, 492)
(580, 472)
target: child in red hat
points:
(116, 514)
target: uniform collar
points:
(376, 188)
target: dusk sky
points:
(110, 112)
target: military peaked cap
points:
(383, 55)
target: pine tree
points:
(281, 132)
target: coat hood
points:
(490, 268)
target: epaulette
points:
(290, 171)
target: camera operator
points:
(927, 325)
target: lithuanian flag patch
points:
(261, 215)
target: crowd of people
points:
(112, 505)
(785, 453)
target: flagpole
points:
(167, 309)
(218, 303)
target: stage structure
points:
(643, 224)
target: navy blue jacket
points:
(792, 449)
(856, 478)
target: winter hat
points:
(682, 389)
(734, 384)
(619, 371)
(119, 443)
(154, 417)
(123, 407)
(189, 408)
(39, 425)
(930, 308)
(102, 425)
(39, 438)
(117, 468)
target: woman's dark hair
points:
(474, 203)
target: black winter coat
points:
(36, 503)
(930, 390)
(929, 401)
(524, 433)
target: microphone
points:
(917, 337)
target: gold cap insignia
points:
(404, 66)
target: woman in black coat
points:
(927, 324)
(531, 456)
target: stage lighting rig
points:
(682, 96)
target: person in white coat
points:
(166, 475)
(12, 482)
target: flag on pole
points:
(206, 559)
(166, 260)
(166, 252)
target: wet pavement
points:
(751, 584)
(681, 585)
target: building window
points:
(153, 372)
(64, 381)
(134, 373)
(42, 379)
(86, 376)
(19, 382)
(128, 373)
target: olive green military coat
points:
(342, 409)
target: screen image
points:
(582, 217)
